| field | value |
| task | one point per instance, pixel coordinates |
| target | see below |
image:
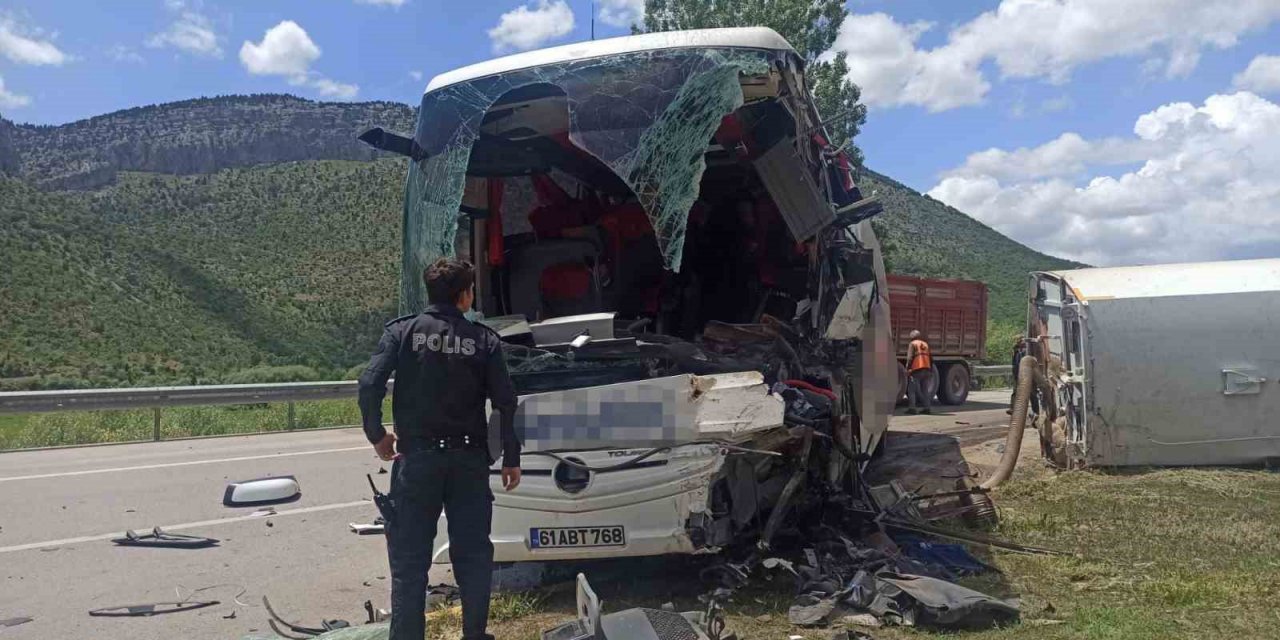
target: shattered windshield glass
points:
(647, 115)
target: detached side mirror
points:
(384, 140)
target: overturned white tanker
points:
(684, 275)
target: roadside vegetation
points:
(97, 427)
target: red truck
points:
(952, 315)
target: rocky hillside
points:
(196, 136)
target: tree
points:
(811, 26)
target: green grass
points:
(96, 427)
(1165, 554)
(11, 425)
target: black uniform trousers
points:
(422, 484)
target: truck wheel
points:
(955, 384)
(902, 385)
(934, 383)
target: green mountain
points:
(186, 278)
(924, 237)
(186, 242)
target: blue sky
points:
(1002, 79)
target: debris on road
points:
(159, 539)
(262, 491)
(260, 513)
(380, 631)
(845, 634)
(862, 620)
(442, 595)
(151, 609)
(13, 622)
(638, 623)
(305, 632)
(912, 600)
(954, 559)
(377, 526)
(375, 615)
(846, 567)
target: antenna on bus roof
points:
(593, 19)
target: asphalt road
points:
(59, 508)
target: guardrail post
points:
(291, 416)
(155, 424)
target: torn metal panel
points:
(853, 313)
(796, 193)
(734, 407)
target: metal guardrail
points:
(158, 398)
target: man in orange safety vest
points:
(920, 375)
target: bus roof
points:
(734, 38)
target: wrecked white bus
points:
(690, 294)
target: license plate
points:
(561, 537)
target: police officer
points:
(445, 367)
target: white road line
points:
(180, 527)
(166, 465)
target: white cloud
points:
(25, 46)
(121, 53)
(532, 25)
(415, 75)
(1067, 155)
(191, 32)
(332, 89)
(1040, 39)
(1262, 75)
(885, 63)
(1206, 187)
(621, 13)
(286, 50)
(383, 3)
(10, 100)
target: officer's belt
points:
(440, 443)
